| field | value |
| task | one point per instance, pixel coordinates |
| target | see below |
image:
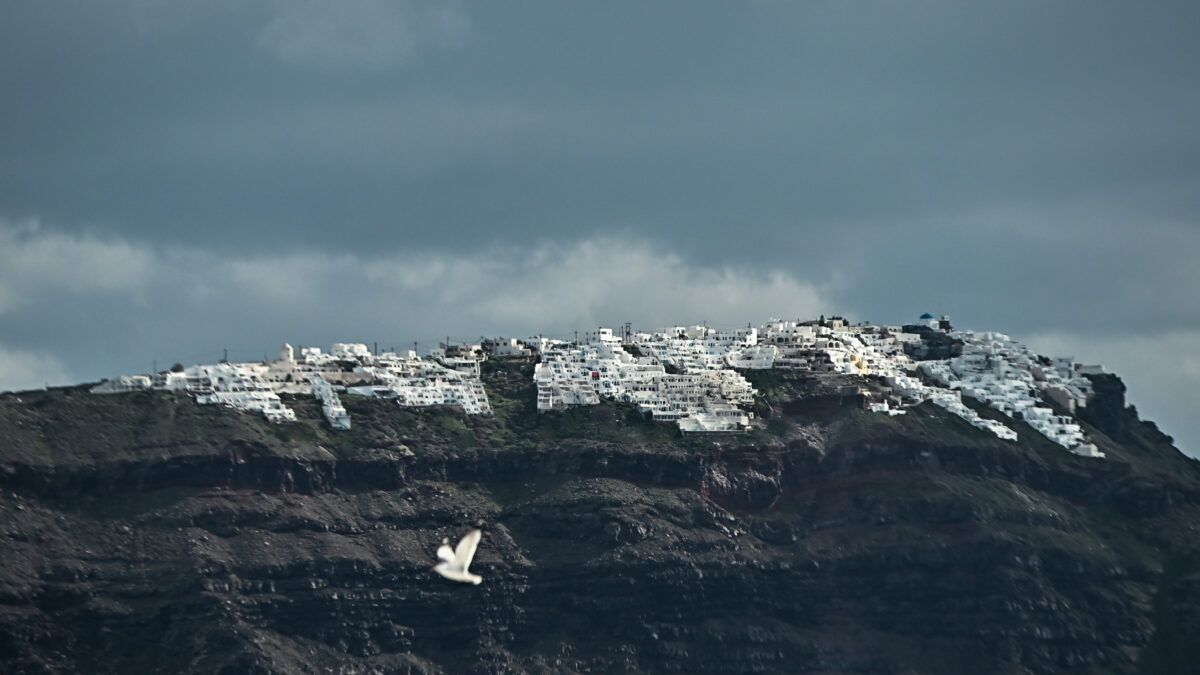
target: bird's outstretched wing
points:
(465, 551)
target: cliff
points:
(144, 533)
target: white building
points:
(505, 347)
(331, 404)
(122, 384)
(350, 351)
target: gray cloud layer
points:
(1025, 166)
(188, 304)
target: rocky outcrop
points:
(846, 543)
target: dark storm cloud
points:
(1029, 167)
(770, 113)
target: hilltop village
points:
(686, 375)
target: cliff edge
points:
(145, 533)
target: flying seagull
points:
(454, 562)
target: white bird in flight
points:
(455, 562)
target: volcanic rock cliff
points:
(144, 533)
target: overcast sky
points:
(181, 178)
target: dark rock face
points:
(934, 344)
(835, 542)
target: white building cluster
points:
(703, 392)
(415, 382)
(233, 385)
(351, 367)
(702, 395)
(879, 351)
(1010, 378)
(684, 374)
